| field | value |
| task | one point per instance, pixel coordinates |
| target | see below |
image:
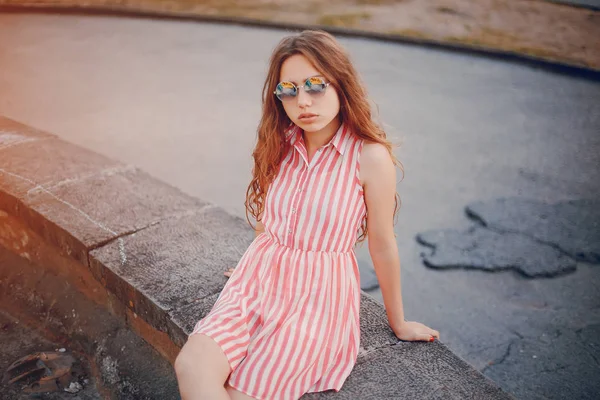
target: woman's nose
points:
(303, 98)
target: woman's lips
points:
(307, 118)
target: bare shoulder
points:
(374, 152)
(374, 161)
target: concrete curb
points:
(563, 67)
(155, 257)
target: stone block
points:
(417, 370)
(172, 264)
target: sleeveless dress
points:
(288, 317)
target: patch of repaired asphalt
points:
(534, 238)
(572, 226)
(549, 328)
(491, 251)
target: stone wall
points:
(155, 258)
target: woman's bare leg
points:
(202, 369)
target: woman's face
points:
(311, 113)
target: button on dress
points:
(288, 317)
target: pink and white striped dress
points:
(288, 317)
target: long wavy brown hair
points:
(333, 62)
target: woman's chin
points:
(312, 126)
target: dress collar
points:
(339, 140)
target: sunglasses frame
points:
(302, 86)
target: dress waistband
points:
(273, 240)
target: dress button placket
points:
(296, 200)
(293, 212)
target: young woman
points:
(287, 321)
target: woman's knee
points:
(201, 355)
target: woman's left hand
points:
(229, 272)
(416, 331)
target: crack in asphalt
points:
(501, 359)
(514, 332)
(554, 369)
(590, 353)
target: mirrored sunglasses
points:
(314, 86)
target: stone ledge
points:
(162, 255)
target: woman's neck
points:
(314, 140)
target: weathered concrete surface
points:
(491, 251)
(419, 363)
(181, 321)
(45, 162)
(58, 187)
(572, 226)
(172, 264)
(14, 133)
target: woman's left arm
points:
(378, 177)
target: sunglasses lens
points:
(285, 90)
(315, 85)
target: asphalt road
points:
(181, 100)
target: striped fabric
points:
(288, 317)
